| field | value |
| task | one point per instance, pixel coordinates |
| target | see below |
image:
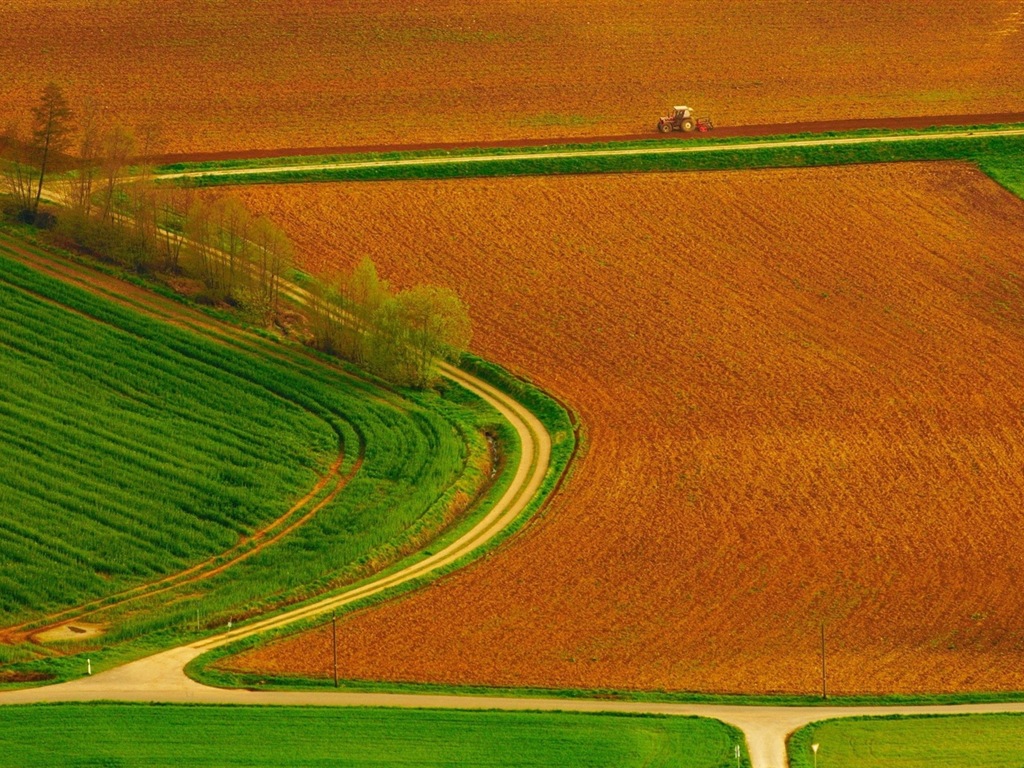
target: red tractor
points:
(682, 119)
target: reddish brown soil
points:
(233, 76)
(721, 132)
(802, 402)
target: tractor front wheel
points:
(664, 127)
(687, 125)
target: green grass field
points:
(141, 735)
(946, 741)
(132, 449)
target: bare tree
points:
(233, 222)
(51, 132)
(81, 185)
(173, 204)
(18, 172)
(200, 233)
(271, 257)
(118, 145)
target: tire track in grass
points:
(246, 548)
(296, 516)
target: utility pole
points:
(824, 678)
(334, 642)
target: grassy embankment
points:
(134, 449)
(939, 741)
(127, 735)
(1002, 157)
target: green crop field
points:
(945, 741)
(141, 735)
(133, 449)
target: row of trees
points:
(397, 335)
(113, 207)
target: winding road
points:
(161, 677)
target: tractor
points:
(682, 119)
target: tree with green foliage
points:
(437, 326)
(399, 337)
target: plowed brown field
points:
(802, 397)
(296, 73)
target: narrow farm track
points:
(249, 546)
(665, 148)
(729, 131)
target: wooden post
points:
(334, 642)
(824, 686)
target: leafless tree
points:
(51, 132)
(118, 146)
(18, 171)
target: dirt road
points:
(721, 132)
(666, 148)
(161, 678)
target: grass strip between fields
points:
(176, 735)
(922, 741)
(1002, 157)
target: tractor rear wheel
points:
(687, 125)
(664, 127)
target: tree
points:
(437, 327)
(173, 204)
(325, 321)
(80, 186)
(51, 132)
(118, 145)
(362, 293)
(233, 222)
(271, 256)
(201, 236)
(19, 174)
(386, 349)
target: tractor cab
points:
(680, 120)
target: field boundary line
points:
(498, 156)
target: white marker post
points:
(737, 748)
(814, 749)
(88, 666)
